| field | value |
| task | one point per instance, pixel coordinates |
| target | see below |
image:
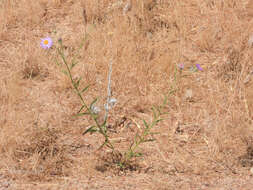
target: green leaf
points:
(121, 165)
(149, 140)
(81, 114)
(78, 82)
(73, 65)
(137, 136)
(104, 127)
(105, 143)
(83, 106)
(137, 154)
(91, 130)
(172, 90)
(154, 112)
(154, 133)
(93, 102)
(154, 123)
(165, 112)
(145, 123)
(165, 101)
(158, 120)
(159, 110)
(86, 88)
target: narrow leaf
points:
(91, 130)
(93, 102)
(137, 136)
(149, 140)
(154, 112)
(137, 154)
(104, 127)
(81, 114)
(78, 82)
(83, 106)
(157, 121)
(102, 145)
(154, 133)
(145, 123)
(165, 101)
(86, 88)
(159, 110)
(73, 65)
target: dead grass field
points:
(206, 140)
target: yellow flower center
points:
(45, 42)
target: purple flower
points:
(199, 67)
(181, 66)
(46, 43)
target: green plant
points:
(143, 137)
(90, 110)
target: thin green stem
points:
(141, 140)
(103, 132)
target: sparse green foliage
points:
(88, 109)
(143, 137)
(102, 128)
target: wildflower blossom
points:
(199, 67)
(181, 66)
(46, 43)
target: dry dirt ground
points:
(205, 141)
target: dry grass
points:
(206, 136)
